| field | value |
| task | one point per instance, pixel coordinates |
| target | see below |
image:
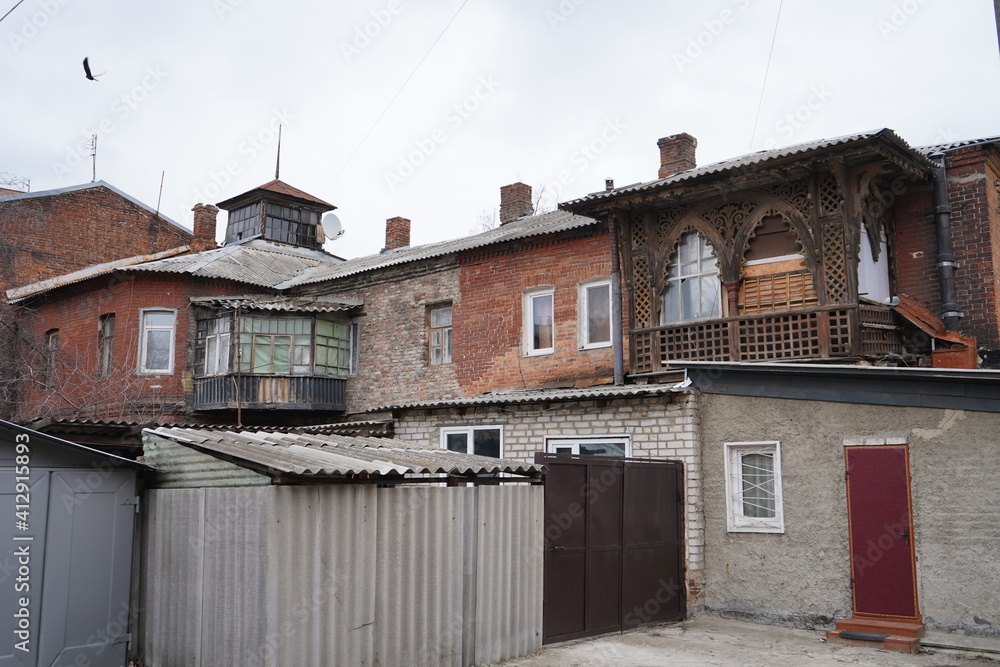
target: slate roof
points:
(550, 395)
(254, 263)
(759, 157)
(526, 227)
(303, 304)
(335, 456)
(937, 148)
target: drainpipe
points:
(946, 257)
(616, 303)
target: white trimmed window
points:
(480, 440)
(156, 344)
(591, 445)
(595, 314)
(693, 290)
(539, 322)
(753, 487)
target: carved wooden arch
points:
(735, 241)
(688, 224)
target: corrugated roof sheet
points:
(937, 148)
(253, 263)
(543, 395)
(335, 456)
(43, 286)
(547, 223)
(747, 160)
(302, 304)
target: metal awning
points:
(290, 457)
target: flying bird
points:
(86, 68)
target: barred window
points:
(753, 485)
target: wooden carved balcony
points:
(270, 392)
(809, 333)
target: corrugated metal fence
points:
(342, 575)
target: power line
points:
(767, 69)
(11, 9)
(386, 109)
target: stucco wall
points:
(660, 427)
(802, 577)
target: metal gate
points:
(614, 548)
(66, 562)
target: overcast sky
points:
(424, 109)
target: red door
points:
(883, 567)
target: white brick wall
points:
(665, 427)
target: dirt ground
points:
(715, 641)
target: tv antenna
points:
(93, 158)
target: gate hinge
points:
(132, 501)
(851, 580)
(845, 474)
(121, 639)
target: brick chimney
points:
(397, 233)
(204, 227)
(677, 154)
(515, 202)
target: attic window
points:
(244, 223)
(291, 225)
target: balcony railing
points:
(810, 333)
(280, 392)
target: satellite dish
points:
(331, 226)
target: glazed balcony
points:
(269, 392)
(810, 333)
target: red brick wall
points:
(46, 236)
(126, 395)
(975, 221)
(489, 354)
(916, 248)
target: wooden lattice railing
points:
(810, 333)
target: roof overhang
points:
(310, 458)
(761, 169)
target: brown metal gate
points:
(614, 548)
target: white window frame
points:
(737, 521)
(354, 333)
(675, 279)
(583, 314)
(143, 330)
(470, 431)
(556, 441)
(529, 321)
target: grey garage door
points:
(65, 565)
